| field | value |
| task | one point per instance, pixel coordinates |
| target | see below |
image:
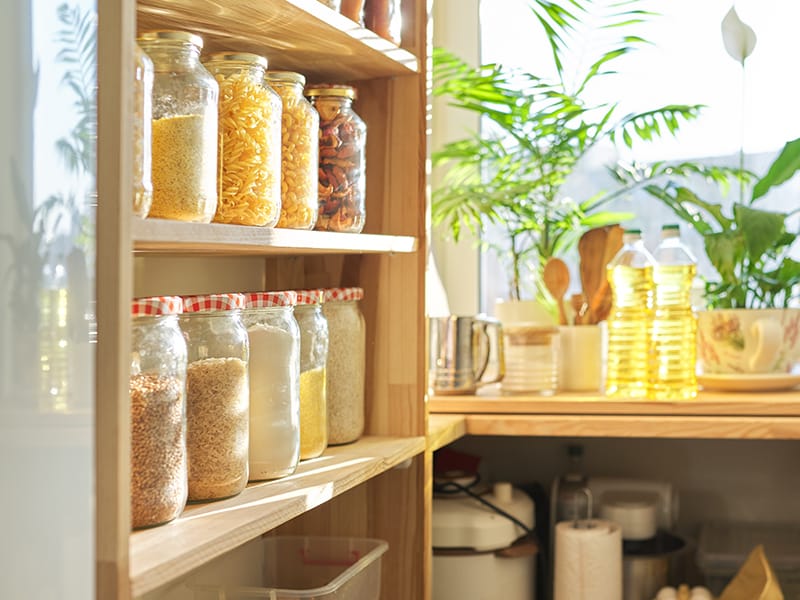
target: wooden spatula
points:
(556, 279)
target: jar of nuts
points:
(142, 132)
(299, 151)
(249, 141)
(217, 395)
(342, 159)
(158, 412)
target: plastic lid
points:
(724, 546)
(286, 76)
(343, 294)
(170, 35)
(239, 57)
(633, 232)
(331, 89)
(157, 305)
(310, 296)
(671, 226)
(270, 299)
(213, 302)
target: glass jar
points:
(299, 151)
(346, 364)
(184, 157)
(249, 141)
(342, 159)
(384, 18)
(217, 395)
(142, 132)
(313, 359)
(274, 373)
(158, 412)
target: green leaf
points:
(725, 250)
(761, 229)
(782, 169)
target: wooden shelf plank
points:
(205, 531)
(298, 35)
(444, 429)
(175, 237)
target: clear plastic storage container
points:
(142, 132)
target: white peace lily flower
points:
(738, 37)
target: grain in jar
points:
(342, 159)
(158, 412)
(249, 141)
(217, 395)
(142, 132)
(184, 132)
(346, 364)
(299, 151)
(313, 358)
(274, 372)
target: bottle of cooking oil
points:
(674, 324)
(630, 275)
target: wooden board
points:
(444, 429)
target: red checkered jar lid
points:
(270, 299)
(156, 306)
(213, 302)
(343, 294)
(310, 296)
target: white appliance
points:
(665, 494)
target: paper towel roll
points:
(588, 563)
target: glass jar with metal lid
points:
(342, 159)
(217, 395)
(299, 151)
(142, 132)
(313, 359)
(249, 140)
(274, 371)
(184, 143)
(346, 364)
(158, 412)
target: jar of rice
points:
(184, 135)
(299, 151)
(217, 395)
(249, 140)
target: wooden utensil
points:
(556, 279)
(579, 307)
(596, 248)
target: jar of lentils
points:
(249, 141)
(184, 142)
(142, 132)
(274, 374)
(217, 395)
(342, 159)
(299, 151)
(313, 359)
(158, 412)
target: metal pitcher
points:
(460, 351)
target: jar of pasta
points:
(184, 157)
(342, 159)
(249, 141)
(299, 151)
(274, 384)
(142, 132)
(313, 358)
(346, 364)
(217, 395)
(158, 412)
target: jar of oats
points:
(346, 364)
(184, 135)
(217, 395)
(249, 141)
(342, 159)
(313, 359)
(299, 151)
(158, 412)
(274, 371)
(142, 132)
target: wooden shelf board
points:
(444, 429)
(298, 35)
(206, 531)
(175, 237)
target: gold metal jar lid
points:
(285, 77)
(331, 90)
(237, 57)
(170, 35)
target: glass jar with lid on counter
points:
(184, 142)
(142, 132)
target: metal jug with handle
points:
(459, 353)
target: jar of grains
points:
(249, 141)
(346, 362)
(158, 412)
(342, 159)
(217, 395)
(299, 151)
(274, 384)
(313, 357)
(184, 158)
(142, 132)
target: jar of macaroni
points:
(274, 371)
(249, 141)
(346, 364)
(184, 135)
(299, 151)
(158, 412)
(217, 395)
(313, 359)
(142, 132)
(342, 159)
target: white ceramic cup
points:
(580, 361)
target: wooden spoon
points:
(596, 248)
(556, 279)
(579, 307)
